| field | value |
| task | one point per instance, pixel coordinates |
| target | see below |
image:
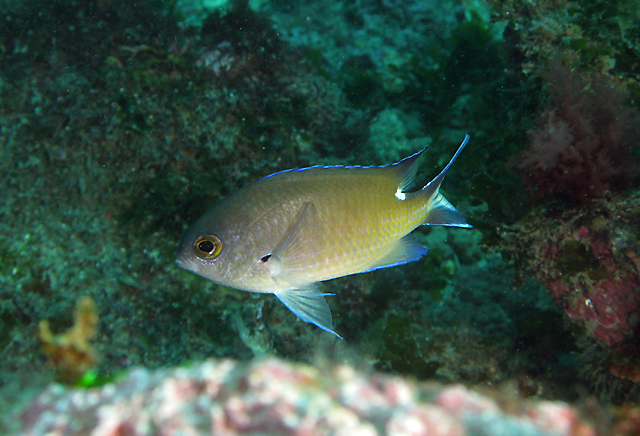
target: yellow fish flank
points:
(284, 233)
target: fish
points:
(289, 231)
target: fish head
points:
(222, 247)
(199, 252)
(207, 247)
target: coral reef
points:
(122, 122)
(274, 397)
(580, 159)
(107, 157)
(600, 36)
(587, 259)
(113, 148)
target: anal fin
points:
(405, 250)
(442, 213)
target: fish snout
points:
(184, 262)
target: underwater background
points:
(123, 122)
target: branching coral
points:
(581, 146)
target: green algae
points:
(95, 379)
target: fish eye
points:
(207, 246)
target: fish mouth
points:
(184, 262)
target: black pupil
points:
(206, 246)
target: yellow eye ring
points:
(207, 246)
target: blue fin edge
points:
(309, 305)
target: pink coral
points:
(580, 147)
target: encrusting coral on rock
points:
(587, 259)
(273, 397)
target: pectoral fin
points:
(308, 303)
(291, 259)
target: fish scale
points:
(368, 236)
(284, 233)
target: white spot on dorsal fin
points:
(400, 195)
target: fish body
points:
(288, 231)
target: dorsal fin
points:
(404, 172)
(399, 175)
